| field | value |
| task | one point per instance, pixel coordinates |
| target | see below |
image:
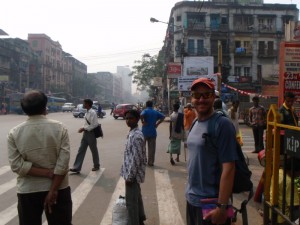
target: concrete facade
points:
(249, 33)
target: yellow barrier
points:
(273, 156)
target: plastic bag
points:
(120, 213)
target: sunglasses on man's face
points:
(205, 95)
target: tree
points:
(146, 69)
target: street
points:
(94, 193)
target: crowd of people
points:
(43, 166)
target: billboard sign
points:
(198, 66)
(289, 71)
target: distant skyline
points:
(101, 34)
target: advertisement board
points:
(185, 83)
(174, 70)
(289, 71)
(198, 66)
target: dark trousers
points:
(88, 140)
(258, 134)
(31, 208)
(134, 203)
(194, 216)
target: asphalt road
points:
(94, 193)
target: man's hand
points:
(217, 216)
(81, 130)
(50, 200)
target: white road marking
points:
(168, 210)
(81, 192)
(119, 190)
(7, 186)
(4, 169)
(8, 214)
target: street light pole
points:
(166, 83)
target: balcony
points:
(243, 52)
(267, 53)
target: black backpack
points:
(242, 177)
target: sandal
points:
(172, 161)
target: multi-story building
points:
(59, 69)
(104, 81)
(19, 66)
(248, 31)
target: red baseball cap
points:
(204, 81)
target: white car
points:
(68, 107)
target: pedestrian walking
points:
(189, 116)
(257, 117)
(210, 172)
(176, 133)
(233, 114)
(39, 152)
(133, 169)
(112, 108)
(151, 119)
(88, 138)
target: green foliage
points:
(146, 69)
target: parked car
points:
(79, 111)
(121, 109)
(68, 107)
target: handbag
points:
(97, 130)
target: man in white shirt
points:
(39, 152)
(88, 138)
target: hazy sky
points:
(103, 34)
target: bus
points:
(55, 104)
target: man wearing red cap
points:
(210, 171)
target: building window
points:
(195, 20)
(237, 71)
(224, 20)
(200, 47)
(178, 18)
(246, 71)
(261, 47)
(191, 46)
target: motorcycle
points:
(101, 114)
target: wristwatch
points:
(222, 206)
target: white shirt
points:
(91, 116)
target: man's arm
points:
(218, 215)
(40, 172)
(53, 192)
(60, 170)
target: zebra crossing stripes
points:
(81, 192)
(7, 186)
(119, 190)
(8, 214)
(167, 205)
(4, 169)
(169, 213)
